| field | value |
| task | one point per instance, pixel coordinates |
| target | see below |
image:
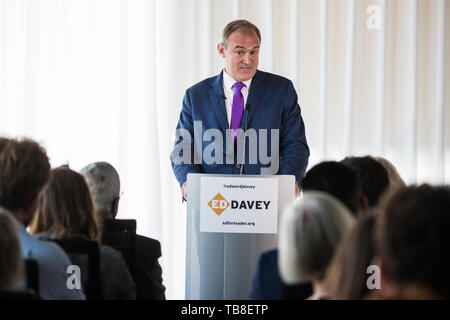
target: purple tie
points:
(237, 109)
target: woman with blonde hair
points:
(66, 211)
(396, 182)
(346, 277)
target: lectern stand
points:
(220, 265)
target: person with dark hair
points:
(104, 183)
(346, 277)
(373, 176)
(338, 180)
(24, 171)
(217, 105)
(412, 244)
(66, 211)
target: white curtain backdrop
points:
(103, 80)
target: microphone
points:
(247, 110)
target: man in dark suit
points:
(213, 109)
(104, 183)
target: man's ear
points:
(221, 50)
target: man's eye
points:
(240, 53)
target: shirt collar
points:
(229, 81)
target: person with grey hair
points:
(104, 183)
(310, 231)
(11, 261)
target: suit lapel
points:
(218, 101)
(257, 90)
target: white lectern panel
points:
(220, 266)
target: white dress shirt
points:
(228, 83)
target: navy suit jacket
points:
(274, 105)
(267, 283)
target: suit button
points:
(237, 166)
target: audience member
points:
(333, 178)
(346, 277)
(340, 181)
(104, 183)
(310, 230)
(373, 176)
(66, 211)
(413, 237)
(267, 283)
(395, 180)
(11, 261)
(24, 171)
(322, 253)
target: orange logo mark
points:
(218, 204)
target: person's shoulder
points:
(148, 245)
(275, 78)
(269, 256)
(148, 241)
(40, 247)
(111, 260)
(51, 258)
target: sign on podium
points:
(231, 220)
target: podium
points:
(231, 220)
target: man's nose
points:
(247, 58)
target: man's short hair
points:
(104, 183)
(242, 25)
(24, 171)
(336, 179)
(413, 237)
(373, 176)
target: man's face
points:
(240, 55)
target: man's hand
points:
(297, 191)
(184, 190)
